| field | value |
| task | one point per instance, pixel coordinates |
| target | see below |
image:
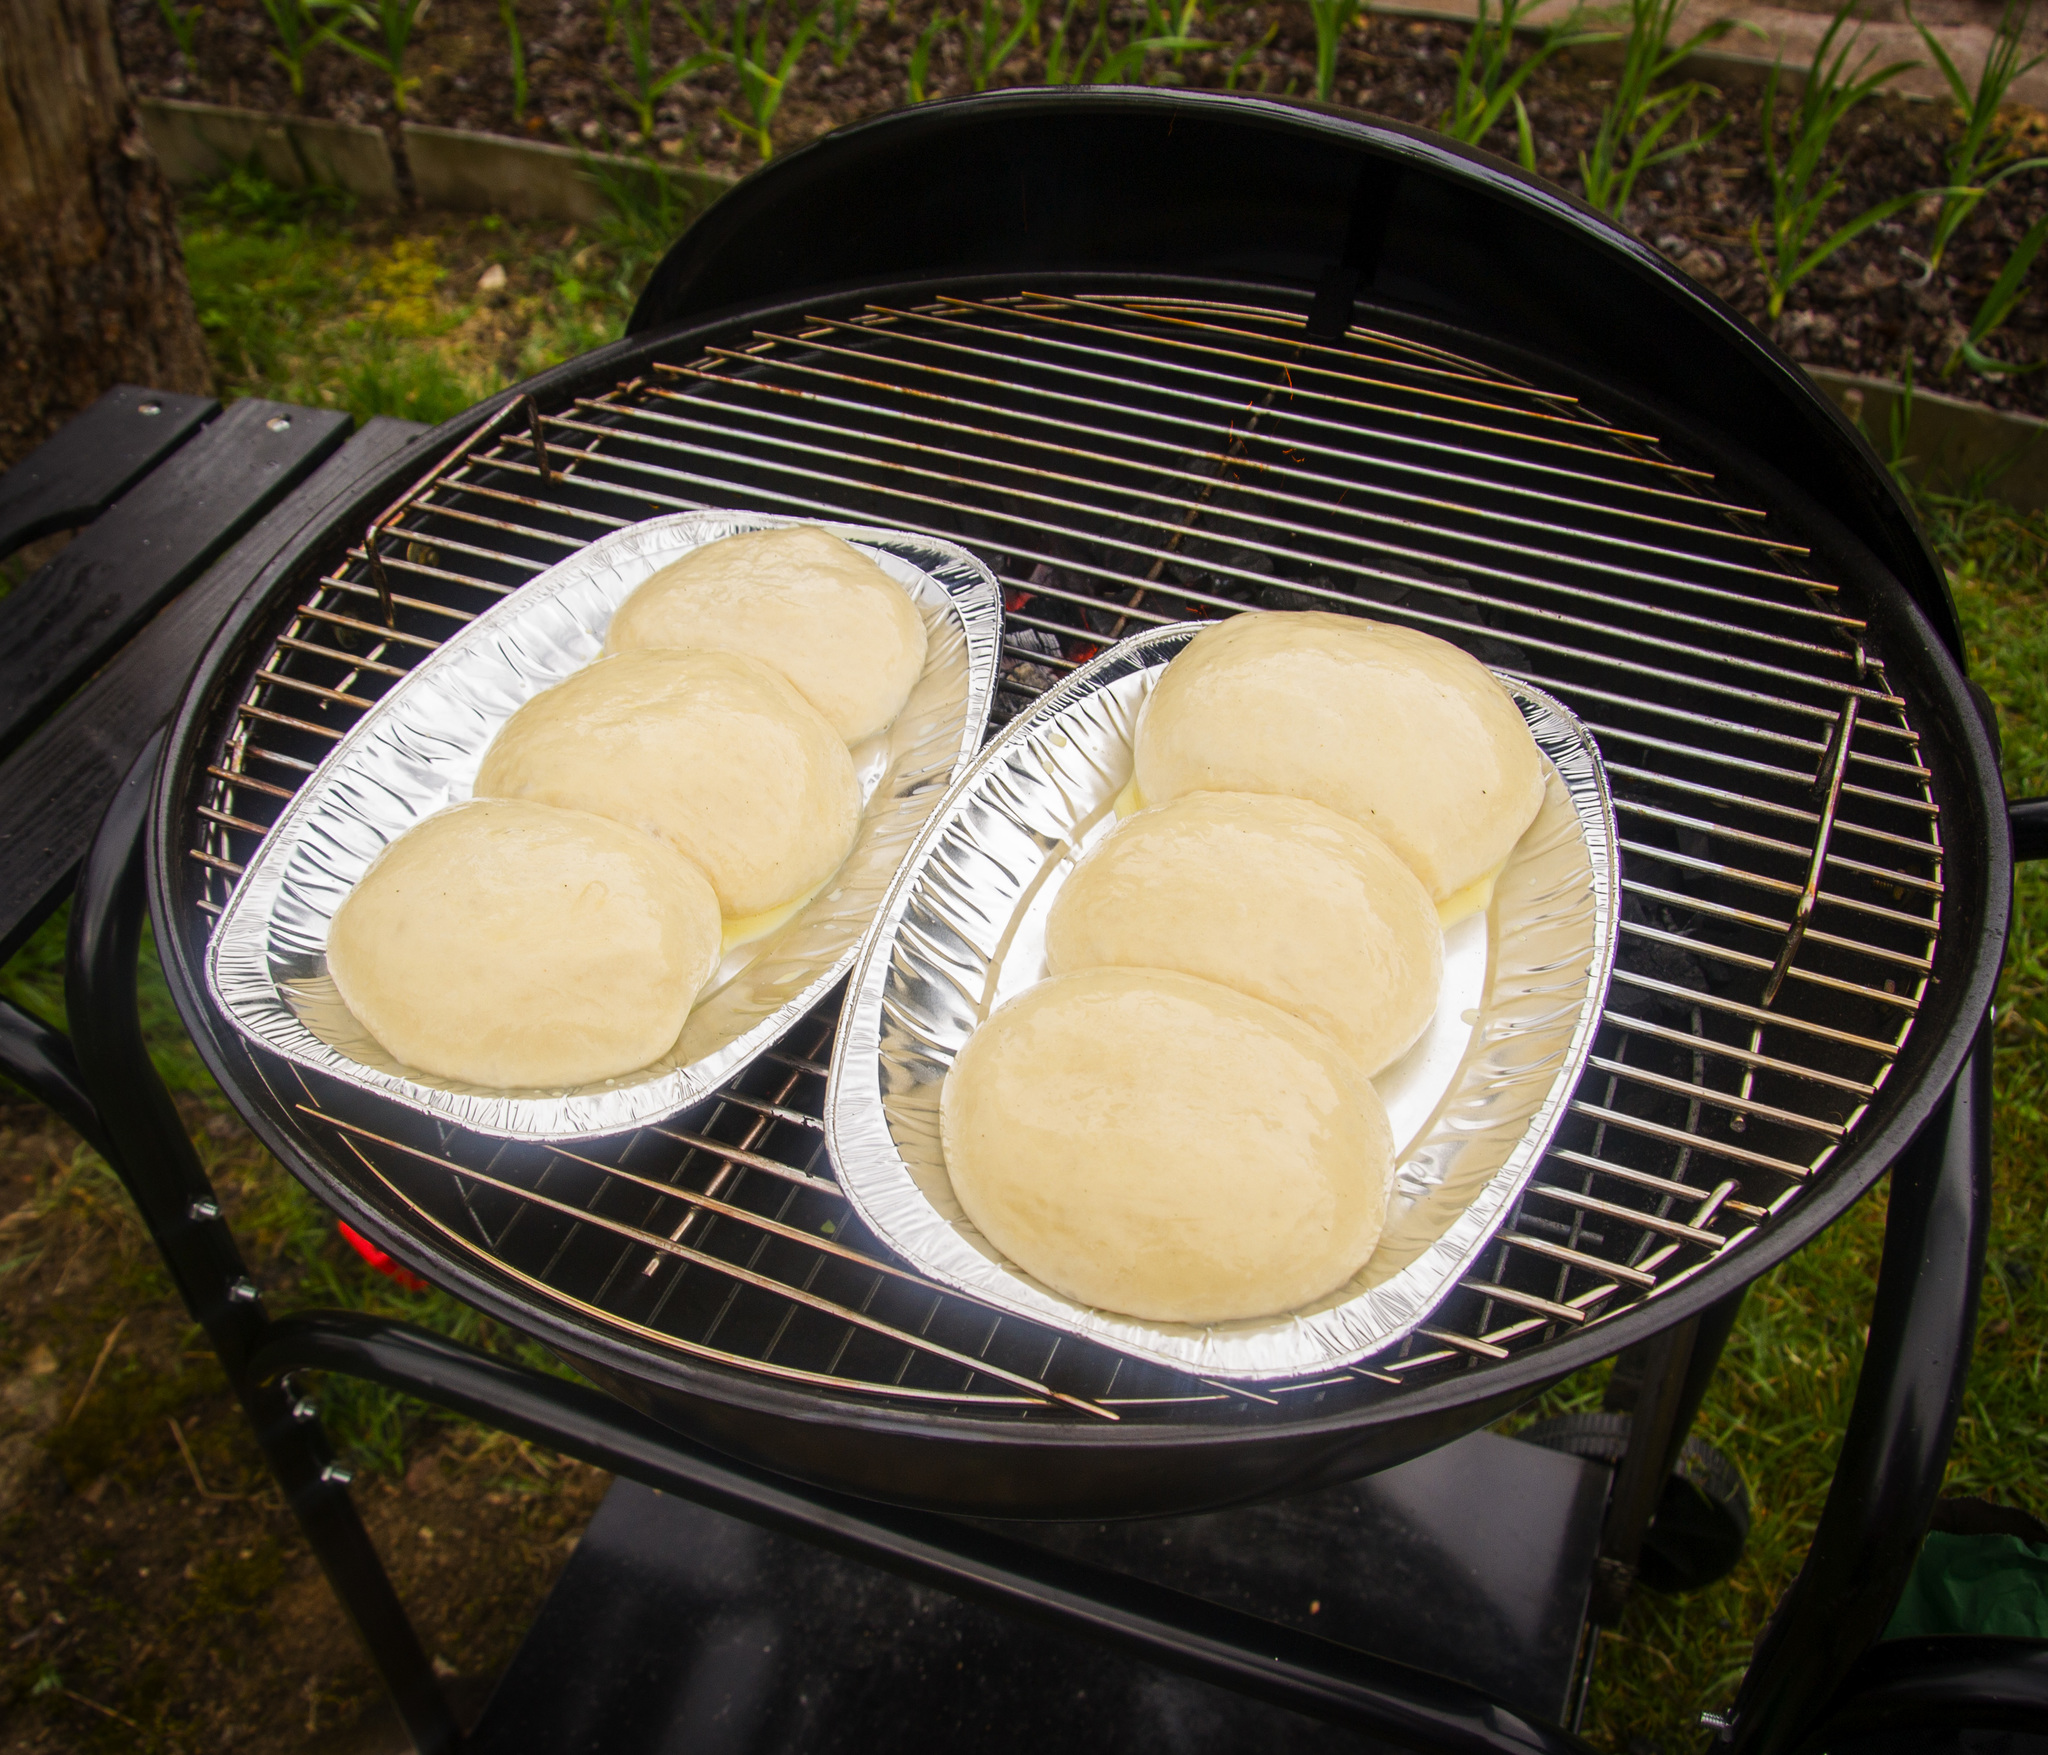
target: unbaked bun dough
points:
(1276, 897)
(1397, 730)
(512, 945)
(1152, 1144)
(803, 602)
(712, 751)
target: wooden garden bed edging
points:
(198, 143)
(1948, 441)
(451, 168)
(529, 179)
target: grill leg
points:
(1655, 1433)
(141, 1135)
(1711, 1329)
(1659, 1385)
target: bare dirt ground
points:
(1871, 308)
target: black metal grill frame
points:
(1247, 1450)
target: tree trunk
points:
(92, 279)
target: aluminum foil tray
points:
(420, 749)
(1473, 1104)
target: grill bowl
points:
(1767, 663)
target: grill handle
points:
(1908, 1394)
(2029, 819)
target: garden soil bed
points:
(1869, 309)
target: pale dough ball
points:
(1152, 1144)
(712, 751)
(1397, 730)
(509, 944)
(1276, 897)
(803, 602)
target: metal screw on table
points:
(149, 408)
(279, 423)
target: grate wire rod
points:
(1303, 343)
(811, 473)
(1037, 588)
(1722, 1099)
(609, 1319)
(1257, 489)
(1547, 617)
(713, 1264)
(1099, 379)
(1744, 960)
(1561, 422)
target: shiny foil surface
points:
(419, 751)
(1473, 1104)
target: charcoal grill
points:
(1155, 356)
(1125, 451)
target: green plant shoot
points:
(921, 54)
(763, 76)
(1801, 183)
(1235, 71)
(183, 24)
(839, 28)
(650, 85)
(1637, 118)
(1983, 155)
(1174, 21)
(515, 46)
(1059, 69)
(1901, 425)
(390, 24)
(1997, 306)
(297, 37)
(1487, 89)
(1122, 67)
(988, 45)
(1333, 18)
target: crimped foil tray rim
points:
(237, 970)
(864, 1150)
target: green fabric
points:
(1975, 1584)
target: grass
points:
(315, 305)
(306, 301)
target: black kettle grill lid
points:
(1134, 180)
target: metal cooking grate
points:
(1123, 462)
